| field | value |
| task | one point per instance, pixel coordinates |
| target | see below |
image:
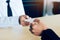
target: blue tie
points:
(9, 11)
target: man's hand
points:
(38, 27)
(22, 20)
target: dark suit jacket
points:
(49, 35)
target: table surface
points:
(22, 33)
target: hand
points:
(38, 27)
(22, 20)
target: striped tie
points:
(9, 11)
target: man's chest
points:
(15, 6)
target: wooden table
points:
(23, 33)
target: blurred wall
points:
(49, 6)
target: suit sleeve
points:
(49, 35)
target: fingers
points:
(25, 16)
(36, 27)
(34, 23)
(33, 26)
(35, 33)
(24, 23)
(22, 20)
(40, 22)
(37, 20)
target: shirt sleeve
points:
(9, 21)
(49, 35)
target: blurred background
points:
(39, 8)
(32, 8)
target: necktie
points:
(9, 11)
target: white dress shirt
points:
(16, 7)
(17, 10)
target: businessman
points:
(40, 29)
(10, 10)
